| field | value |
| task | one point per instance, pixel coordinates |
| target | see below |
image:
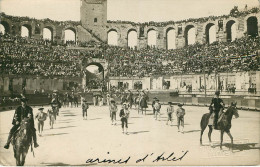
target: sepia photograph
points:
(129, 82)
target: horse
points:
(224, 124)
(21, 141)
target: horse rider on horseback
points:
(21, 112)
(218, 105)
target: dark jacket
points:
(21, 113)
(124, 114)
(217, 103)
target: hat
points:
(170, 102)
(155, 98)
(180, 105)
(41, 109)
(217, 93)
(24, 99)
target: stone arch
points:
(6, 26)
(73, 29)
(252, 26)
(170, 45)
(96, 64)
(132, 39)
(131, 29)
(109, 37)
(246, 19)
(51, 30)
(168, 28)
(100, 68)
(186, 31)
(230, 33)
(207, 31)
(152, 38)
(29, 27)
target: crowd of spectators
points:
(38, 57)
(239, 55)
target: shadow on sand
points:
(190, 131)
(65, 127)
(240, 147)
(137, 132)
(94, 119)
(69, 115)
(57, 134)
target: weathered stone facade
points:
(94, 26)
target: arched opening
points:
(112, 37)
(190, 37)
(4, 27)
(94, 73)
(151, 38)
(231, 30)
(26, 31)
(252, 28)
(70, 36)
(210, 33)
(132, 39)
(170, 35)
(48, 33)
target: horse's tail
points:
(204, 120)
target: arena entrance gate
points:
(94, 76)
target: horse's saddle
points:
(211, 118)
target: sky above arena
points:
(127, 10)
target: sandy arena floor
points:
(73, 140)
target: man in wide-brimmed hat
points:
(41, 117)
(157, 107)
(113, 109)
(170, 110)
(218, 106)
(21, 112)
(124, 114)
(180, 112)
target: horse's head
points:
(25, 126)
(233, 109)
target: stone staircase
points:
(92, 34)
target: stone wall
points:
(96, 10)
(241, 80)
(32, 83)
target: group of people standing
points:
(25, 111)
(180, 112)
(124, 114)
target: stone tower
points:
(93, 17)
